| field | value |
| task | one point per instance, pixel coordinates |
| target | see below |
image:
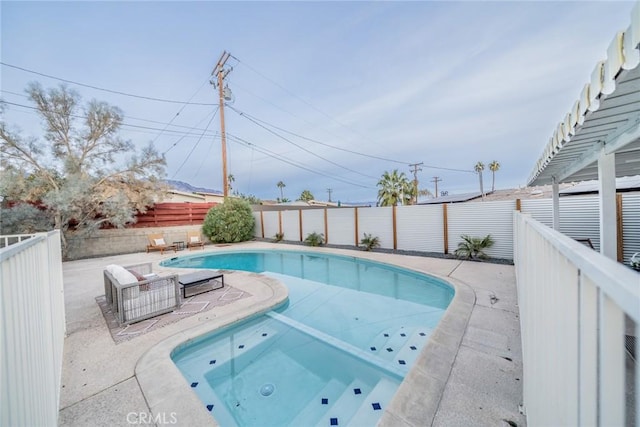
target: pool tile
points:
(413, 347)
(334, 421)
(376, 406)
(372, 348)
(325, 401)
(403, 335)
(194, 384)
(241, 346)
(422, 334)
(386, 335)
(402, 362)
(212, 362)
(209, 407)
(264, 335)
(357, 391)
(389, 349)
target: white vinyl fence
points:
(573, 303)
(438, 228)
(32, 328)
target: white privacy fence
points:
(32, 328)
(573, 303)
(437, 228)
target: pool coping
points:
(415, 403)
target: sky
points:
(325, 95)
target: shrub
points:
(278, 237)
(229, 222)
(473, 247)
(369, 242)
(314, 239)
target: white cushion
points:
(159, 242)
(121, 274)
(195, 239)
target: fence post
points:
(280, 221)
(620, 228)
(395, 234)
(518, 205)
(326, 227)
(356, 224)
(445, 228)
(262, 223)
(300, 222)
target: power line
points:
(299, 146)
(149, 98)
(289, 161)
(193, 148)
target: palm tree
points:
(306, 195)
(494, 167)
(281, 185)
(479, 168)
(394, 188)
(230, 180)
(424, 193)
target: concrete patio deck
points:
(469, 374)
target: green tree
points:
(229, 222)
(306, 195)
(473, 247)
(76, 169)
(394, 188)
(281, 185)
(479, 167)
(494, 166)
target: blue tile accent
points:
(194, 384)
(386, 335)
(413, 347)
(422, 334)
(209, 407)
(241, 346)
(372, 348)
(403, 334)
(325, 401)
(357, 391)
(212, 362)
(402, 362)
(334, 421)
(389, 349)
(264, 335)
(376, 406)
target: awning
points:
(607, 115)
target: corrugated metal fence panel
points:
(342, 226)
(379, 223)
(271, 225)
(312, 222)
(479, 219)
(631, 224)
(580, 218)
(540, 210)
(291, 225)
(32, 331)
(419, 228)
(257, 228)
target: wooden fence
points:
(171, 214)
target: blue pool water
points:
(335, 353)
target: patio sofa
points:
(134, 293)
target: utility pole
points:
(218, 74)
(329, 190)
(415, 180)
(436, 179)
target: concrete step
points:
(315, 409)
(374, 404)
(345, 406)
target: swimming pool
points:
(333, 355)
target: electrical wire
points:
(149, 98)
(299, 146)
(203, 132)
(290, 161)
(193, 148)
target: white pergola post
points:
(607, 191)
(555, 197)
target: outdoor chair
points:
(194, 240)
(158, 243)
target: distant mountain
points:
(188, 188)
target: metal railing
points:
(573, 303)
(32, 329)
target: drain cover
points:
(267, 389)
